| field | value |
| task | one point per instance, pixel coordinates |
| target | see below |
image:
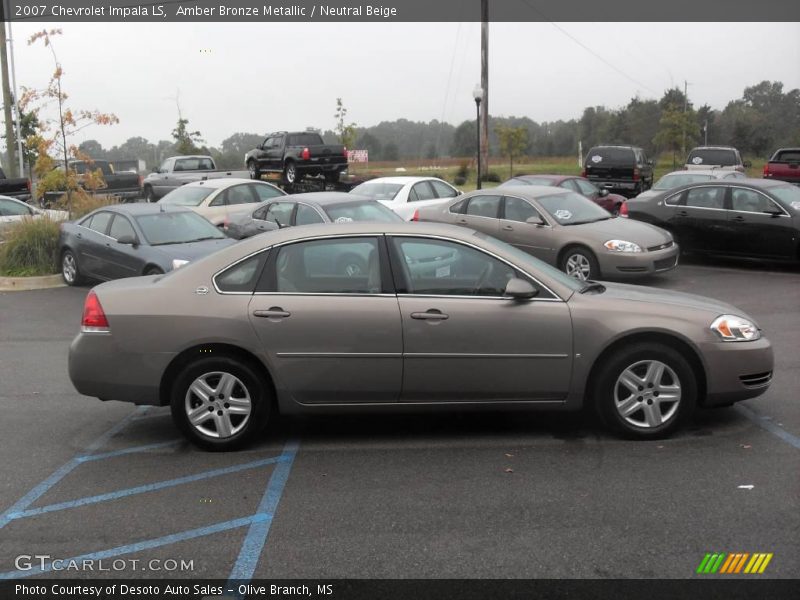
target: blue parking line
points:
(767, 424)
(256, 537)
(64, 470)
(147, 544)
(133, 450)
(141, 489)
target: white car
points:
(685, 177)
(13, 211)
(405, 195)
(219, 199)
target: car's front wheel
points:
(148, 194)
(252, 168)
(70, 271)
(220, 403)
(645, 391)
(580, 263)
(290, 172)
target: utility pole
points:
(685, 104)
(11, 158)
(484, 147)
(20, 154)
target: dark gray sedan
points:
(308, 209)
(564, 229)
(269, 324)
(134, 239)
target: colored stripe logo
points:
(723, 563)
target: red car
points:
(601, 197)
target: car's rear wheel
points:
(153, 271)
(580, 263)
(220, 403)
(332, 177)
(252, 167)
(70, 271)
(290, 172)
(645, 391)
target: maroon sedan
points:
(601, 197)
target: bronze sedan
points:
(442, 317)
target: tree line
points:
(764, 118)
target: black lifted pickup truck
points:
(296, 155)
(622, 169)
(19, 188)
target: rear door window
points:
(99, 222)
(706, 197)
(484, 206)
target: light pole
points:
(477, 94)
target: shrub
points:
(490, 176)
(83, 203)
(463, 170)
(30, 248)
(458, 180)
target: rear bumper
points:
(736, 371)
(98, 367)
(638, 264)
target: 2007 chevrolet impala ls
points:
(441, 316)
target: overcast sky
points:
(262, 77)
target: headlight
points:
(177, 263)
(622, 246)
(735, 329)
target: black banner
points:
(746, 587)
(402, 10)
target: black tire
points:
(615, 210)
(332, 177)
(649, 417)
(148, 195)
(249, 384)
(252, 167)
(290, 174)
(577, 259)
(153, 271)
(351, 265)
(70, 270)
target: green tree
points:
(513, 142)
(672, 127)
(464, 140)
(186, 141)
(346, 132)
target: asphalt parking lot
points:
(494, 495)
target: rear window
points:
(792, 155)
(724, 158)
(789, 195)
(608, 154)
(186, 196)
(370, 211)
(673, 180)
(305, 139)
(530, 181)
(193, 164)
(378, 191)
(82, 167)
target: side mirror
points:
(603, 192)
(519, 289)
(534, 221)
(128, 240)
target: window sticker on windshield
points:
(698, 160)
(443, 271)
(796, 205)
(344, 220)
(563, 215)
(597, 158)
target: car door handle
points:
(79, 236)
(461, 221)
(276, 312)
(430, 315)
(508, 228)
(738, 218)
(683, 213)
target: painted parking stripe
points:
(256, 537)
(141, 489)
(148, 544)
(767, 424)
(66, 469)
(132, 450)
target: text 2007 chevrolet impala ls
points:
(441, 316)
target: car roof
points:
(558, 178)
(143, 208)
(224, 182)
(17, 200)
(323, 198)
(614, 146)
(717, 173)
(712, 148)
(402, 179)
(744, 181)
(527, 191)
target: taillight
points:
(623, 210)
(306, 154)
(766, 172)
(583, 172)
(94, 319)
(416, 215)
(635, 174)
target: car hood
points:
(193, 250)
(644, 234)
(640, 293)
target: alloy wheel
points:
(647, 394)
(578, 266)
(218, 404)
(69, 267)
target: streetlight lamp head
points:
(477, 93)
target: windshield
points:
(533, 265)
(673, 180)
(176, 228)
(789, 195)
(572, 209)
(378, 191)
(530, 181)
(723, 158)
(186, 196)
(369, 210)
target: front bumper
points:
(638, 264)
(99, 368)
(736, 371)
